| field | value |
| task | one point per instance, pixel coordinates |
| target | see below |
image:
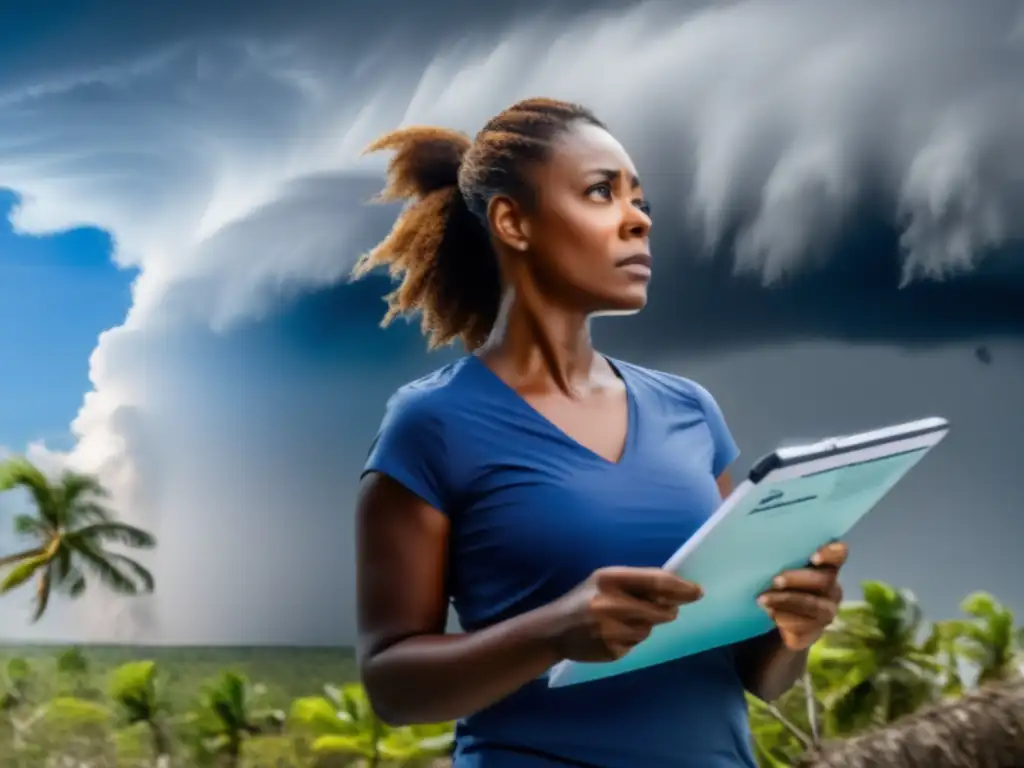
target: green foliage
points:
(72, 662)
(192, 707)
(873, 668)
(14, 684)
(18, 669)
(341, 723)
(82, 728)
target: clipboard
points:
(794, 501)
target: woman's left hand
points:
(803, 602)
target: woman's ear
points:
(507, 222)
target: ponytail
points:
(439, 246)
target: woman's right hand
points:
(615, 609)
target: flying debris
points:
(983, 354)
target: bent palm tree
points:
(70, 533)
(984, 727)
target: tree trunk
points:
(160, 743)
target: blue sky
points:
(57, 294)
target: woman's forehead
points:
(587, 148)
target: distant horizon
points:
(126, 645)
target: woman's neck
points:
(535, 343)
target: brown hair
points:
(440, 244)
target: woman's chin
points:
(625, 304)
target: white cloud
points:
(224, 166)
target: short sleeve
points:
(726, 449)
(410, 449)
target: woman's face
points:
(588, 234)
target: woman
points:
(538, 484)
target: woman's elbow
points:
(384, 699)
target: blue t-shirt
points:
(532, 514)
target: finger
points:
(836, 594)
(799, 604)
(616, 649)
(650, 584)
(619, 637)
(631, 634)
(815, 580)
(833, 555)
(643, 613)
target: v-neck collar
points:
(631, 411)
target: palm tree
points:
(227, 715)
(943, 643)
(873, 667)
(984, 727)
(134, 690)
(70, 533)
(988, 638)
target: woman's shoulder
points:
(431, 396)
(664, 384)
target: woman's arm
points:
(767, 667)
(412, 671)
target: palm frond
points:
(18, 557)
(108, 573)
(112, 533)
(141, 573)
(76, 586)
(72, 583)
(76, 487)
(91, 512)
(43, 589)
(22, 572)
(62, 563)
(19, 472)
(27, 525)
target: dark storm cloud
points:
(97, 37)
(857, 298)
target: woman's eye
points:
(602, 191)
(644, 206)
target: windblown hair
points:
(440, 245)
